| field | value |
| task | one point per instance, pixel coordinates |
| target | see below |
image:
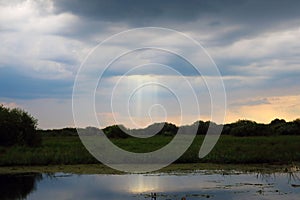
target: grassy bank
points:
(68, 150)
(173, 168)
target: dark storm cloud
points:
(135, 11)
(251, 16)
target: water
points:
(200, 185)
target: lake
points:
(172, 186)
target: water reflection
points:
(200, 185)
(18, 186)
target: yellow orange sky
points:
(285, 107)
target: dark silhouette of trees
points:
(59, 132)
(18, 186)
(281, 127)
(164, 128)
(240, 128)
(17, 127)
(244, 128)
(251, 128)
(115, 131)
(202, 127)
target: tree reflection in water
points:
(18, 186)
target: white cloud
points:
(30, 40)
(280, 45)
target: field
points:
(68, 150)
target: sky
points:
(255, 45)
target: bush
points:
(17, 127)
(115, 131)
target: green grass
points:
(54, 150)
(142, 145)
(173, 168)
(276, 149)
(68, 150)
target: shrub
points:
(17, 127)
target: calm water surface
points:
(200, 185)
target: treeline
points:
(251, 128)
(59, 132)
(119, 131)
(17, 127)
(241, 128)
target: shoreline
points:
(173, 168)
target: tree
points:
(277, 121)
(115, 131)
(247, 128)
(17, 127)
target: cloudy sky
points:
(255, 45)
